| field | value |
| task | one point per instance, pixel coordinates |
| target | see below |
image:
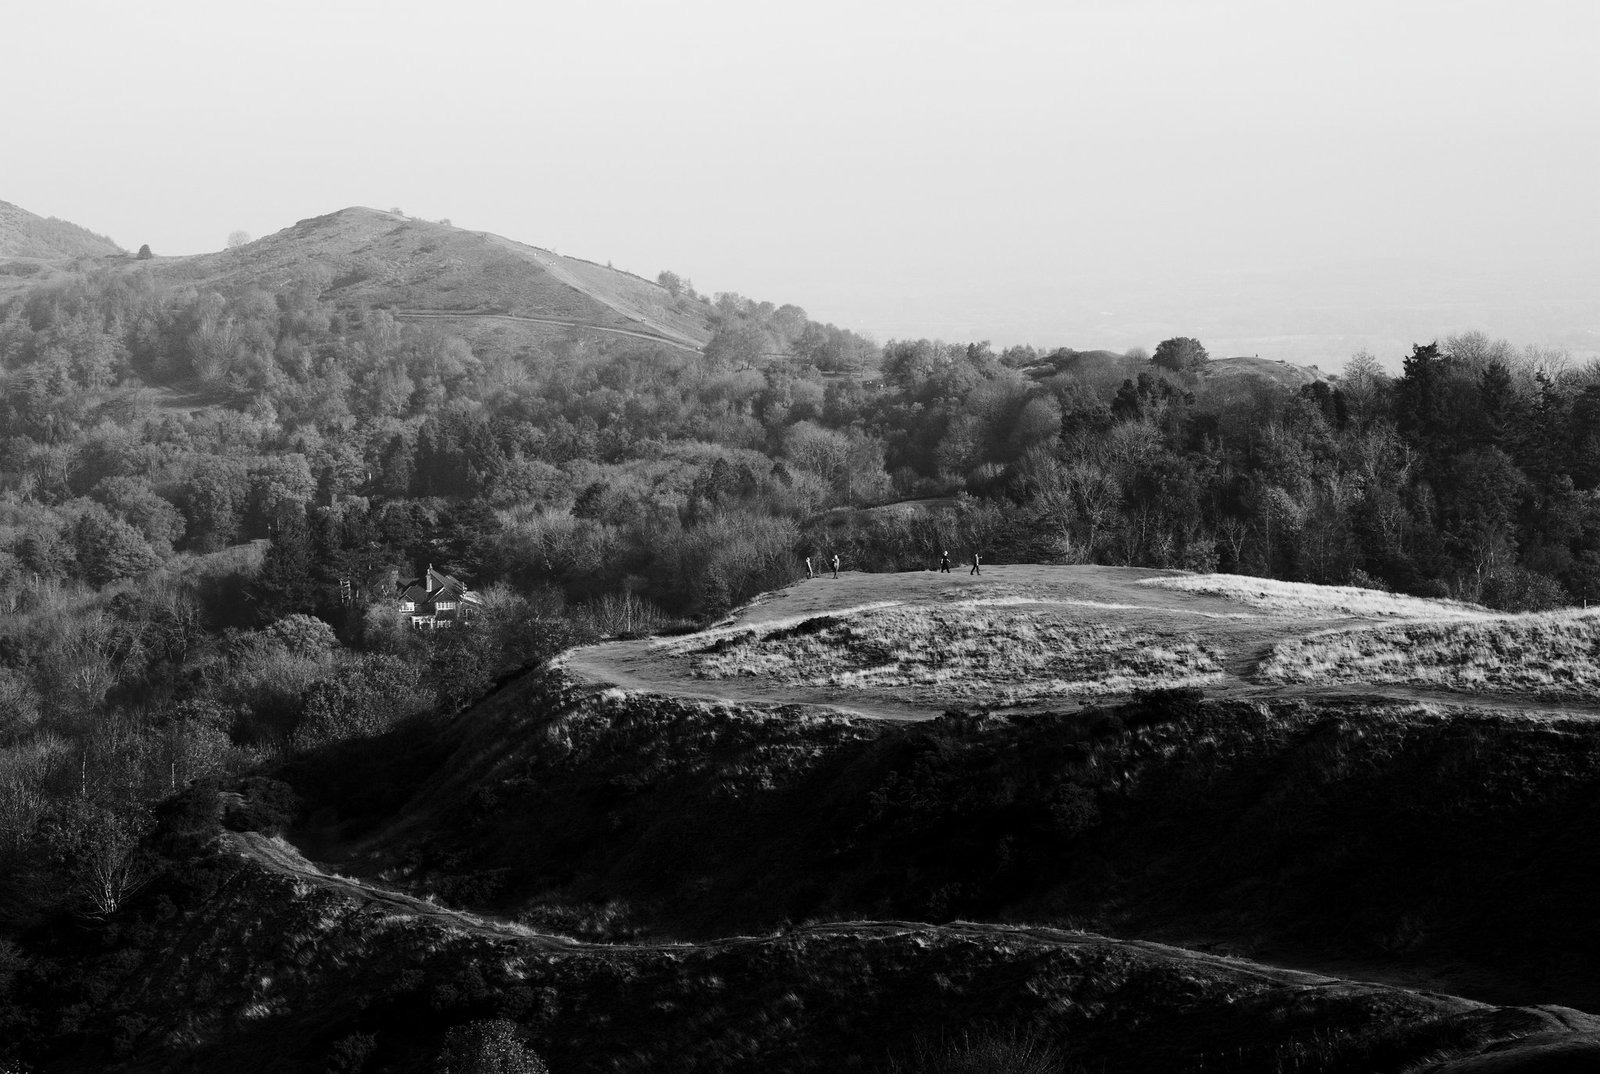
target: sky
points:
(1295, 180)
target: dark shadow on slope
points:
(1385, 840)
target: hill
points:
(1281, 373)
(909, 645)
(366, 257)
(239, 963)
(1104, 369)
(1441, 847)
(25, 235)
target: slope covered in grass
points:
(1554, 656)
(23, 234)
(910, 644)
(373, 258)
(1304, 600)
(971, 652)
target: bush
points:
(1015, 1051)
(1517, 589)
(488, 1047)
(264, 805)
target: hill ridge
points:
(411, 266)
(28, 235)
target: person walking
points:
(836, 564)
(944, 562)
(809, 572)
(975, 568)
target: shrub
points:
(488, 1047)
(1014, 1051)
(264, 805)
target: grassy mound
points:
(1554, 656)
(1319, 601)
(972, 651)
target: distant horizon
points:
(1090, 174)
(1014, 323)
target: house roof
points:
(435, 586)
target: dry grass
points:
(1553, 655)
(966, 651)
(1302, 599)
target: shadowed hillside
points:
(1384, 839)
(227, 965)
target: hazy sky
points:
(1080, 172)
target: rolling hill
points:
(422, 269)
(1429, 832)
(912, 644)
(1286, 374)
(25, 235)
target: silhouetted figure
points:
(836, 564)
(944, 562)
(975, 568)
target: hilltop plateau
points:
(912, 644)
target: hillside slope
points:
(1281, 373)
(1443, 847)
(23, 234)
(234, 965)
(361, 256)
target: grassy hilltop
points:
(368, 257)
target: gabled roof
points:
(433, 587)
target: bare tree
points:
(237, 239)
(110, 870)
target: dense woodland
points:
(187, 477)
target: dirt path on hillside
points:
(1243, 637)
(552, 264)
(279, 857)
(459, 315)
